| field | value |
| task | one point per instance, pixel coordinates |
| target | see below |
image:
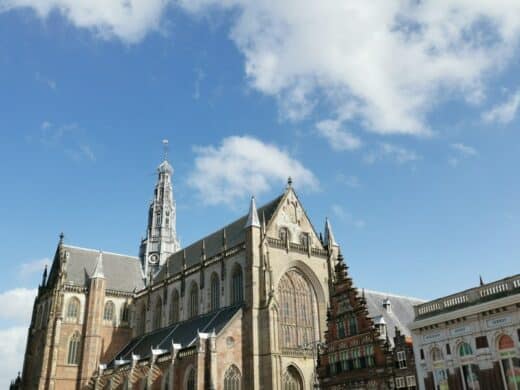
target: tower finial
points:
(62, 236)
(289, 181)
(252, 217)
(98, 271)
(165, 146)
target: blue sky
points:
(400, 126)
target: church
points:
(243, 308)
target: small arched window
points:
(73, 309)
(237, 286)
(190, 381)
(304, 239)
(436, 354)
(505, 342)
(283, 234)
(124, 313)
(232, 379)
(174, 307)
(108, 313)
(214, 292)
(73, 356)
(194, 300)
(157, 315)
(465, 350)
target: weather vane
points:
(165, 145)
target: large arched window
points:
(174, 307)
(157, 315)
(214, 300)
(108, 313)
(509, 363)
(296, 298)
(190, 380)
(73, 356)
(232, 379)
(194, 300)
(237, 285)
(73, 309)
(292, 380)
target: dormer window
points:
(304, 240)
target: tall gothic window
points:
(124, 313)
(174, 307)
(108, 313)
(73, 357)
(157, 315)
(237, 285)
(73, 309)
(194, 300)
(291, 379)
(190, 382)
(214, 292)
(232, 379)
(296, 297)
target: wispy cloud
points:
(70, 138)
(17, 304)
(462, 152)
(241, 166)
(504, 112)
(35, 266)
(339, 212)
(12, 345)
(349, 181)
(391, 152)
(338, 138)
(39, 77)
(200, 75)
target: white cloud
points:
(345, 216)
(127, 20)
(42, 79)
(463, 152)
(391, 152)
(32, 267)
(504, 112)
(17, 304)
(349, 181)
(241, 166)
(385, 62)
(337, 138)
(12, 348)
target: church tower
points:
(161, 235)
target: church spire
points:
(329, 236)
(252, 217)
(161, 234)
(98, 271)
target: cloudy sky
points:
(396, 119)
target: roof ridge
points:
(97, 251)
(390, 294)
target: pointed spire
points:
(62, 236)
(329, 239)
(264, 229)
(44, 276)
(481, 281)
(252, 217)
(98, 271)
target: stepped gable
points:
(213, 243)
(184, 333)
(122, 273)
(400, 313)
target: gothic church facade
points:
(241, 308)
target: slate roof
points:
(213, 243)
(184, 333)
(400, 315)
(122, 273)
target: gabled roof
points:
(122, 273)
(213, 243)
(184, 333)
(401, 313)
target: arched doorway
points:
(292, 379)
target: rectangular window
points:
(481, 342)
(341, 329)
(410, 381)
(448, 349)
(401, 359)
(422, 354)
(399, 382)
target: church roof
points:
(184, 333)
(400, 314)
(213, 243)
(122, 273)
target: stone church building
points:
(242, 308)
